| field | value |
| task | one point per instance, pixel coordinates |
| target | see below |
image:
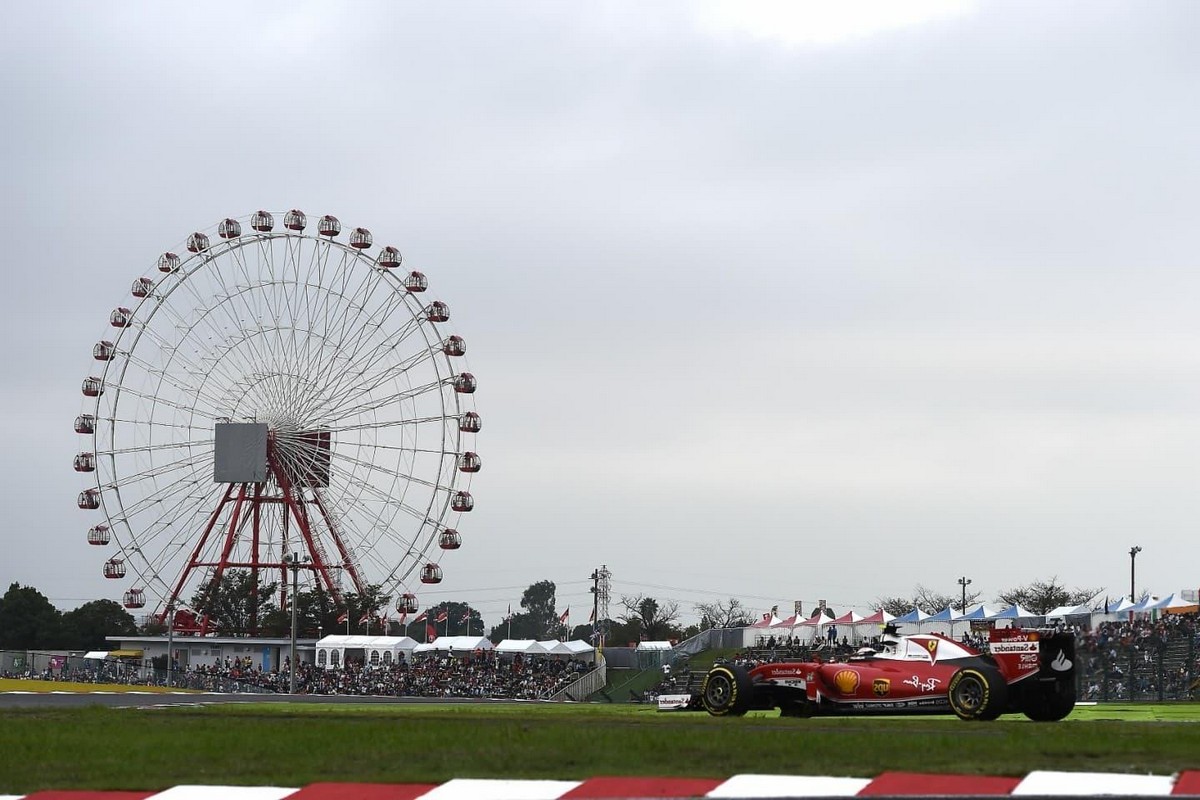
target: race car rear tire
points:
(726, 691)
(978, 693)
(1050, 703)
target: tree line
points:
(237, 606)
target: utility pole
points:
(601, 589)
(964, 582)
(294, 561)
(170, 640)
(1133, 551)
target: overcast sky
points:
(778, 301)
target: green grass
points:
(293, 745)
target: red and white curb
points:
(1042, 783)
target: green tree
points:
(28, 621)
(1045, 595)
(86, 627)
(650, 619)
(538, 602)
(719, 614)
(925, 599)
(236, 603)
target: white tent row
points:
(550, 647)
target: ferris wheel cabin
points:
(431, 573)
(99, 535)
(407, 604)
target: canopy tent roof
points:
(947, 614)
(1171, 602)
(978, 612)
(579, 647)
(1015, 611)
(767, 621)
(849, 618)
(461, 644)
(790, 622)
(556, 648)
(1069, 611)
(341, 641)
(1145, 604)
(916, 615)
(526, 646)
(654, 646)
(97, 655)
(880, 617)
(1116, 606)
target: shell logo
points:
(846, 681)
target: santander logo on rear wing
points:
(1017, 652)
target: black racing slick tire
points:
(1050, 703)
(978, 693)
(726, 691)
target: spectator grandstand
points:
(487, 676)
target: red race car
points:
(1031, 672)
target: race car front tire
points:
(726, 691)
(978, 693)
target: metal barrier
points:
(587, 685)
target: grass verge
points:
(293, 744)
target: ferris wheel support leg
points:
(347, 560)
(255, 505)
(173, 600)
(230, 538)
(289, 499)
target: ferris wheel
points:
(269, 398)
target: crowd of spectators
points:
(474, 676)
(479, 676)
(1142, 659)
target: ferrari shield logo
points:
(881, 687)
(931, 645)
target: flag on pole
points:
(424, 615)
(364, 618)
(403, 618)
(383, 622)
(566, 615)
(430, 632)
(466, 617)
(592, 616)
(508, 616)
(345, 617)
(442, 616)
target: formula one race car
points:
(1025, 671)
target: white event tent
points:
(455, 645)
(331, 650)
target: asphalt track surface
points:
(163, 699)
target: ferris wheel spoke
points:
(155, 399)
(171, 380)
(390, 423)
(370, 341)
(371, 467)
(151, 473)
(372, 401)
(368, 381)
(150, 448)
(367, 351)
